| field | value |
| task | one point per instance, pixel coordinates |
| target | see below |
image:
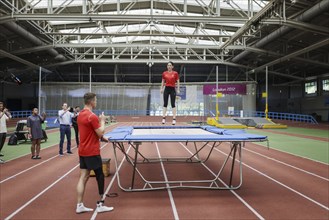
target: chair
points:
(21, 130)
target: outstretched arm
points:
(162, 85)
(178, 91)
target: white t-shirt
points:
(3, 125)
(65, 119)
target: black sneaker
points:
(69, 152)
(1, 155)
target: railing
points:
(271, 115)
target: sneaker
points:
(101, 208)
(163, 120)
(2, 161)
(37, 157)
(173, 121)
(69, 152)
(33, 157)
(81, 209)
(1, 155)
(61, 154)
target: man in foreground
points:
(91, 129)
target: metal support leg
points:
(134, 165)
(235, 146)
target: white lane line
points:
(43, 191)
(38, 195)
(280, 183)
(172, 202)
(93, 217)
(286, 164)
(23, 171)
(30, 168)
(259, 216)
(295, 155)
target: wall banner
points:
(229, 89)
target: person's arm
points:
(43, 116)
(64, 111)
(162, 85)
(100, 131)
(28, 124)
(178, 90)
(6, 113)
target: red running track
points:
(276, 185)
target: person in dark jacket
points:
(34, 122)
(76, 112)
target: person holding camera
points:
(76, 112)
(4, 117)
(65, 121)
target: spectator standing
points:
(75, 123)
(4, 117)
(65, 121)
(35, 132)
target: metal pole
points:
(89, 79)
(39, 93)
(217, 110)
(266, 99)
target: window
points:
(325, 85)
(310, 88)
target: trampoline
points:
(204, 138)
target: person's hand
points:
(103, 117)
(103, 139)
(178, 91)
(43, 114)
(29, 136)
(161, 90)
(5, 110)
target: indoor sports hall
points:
(177, 109)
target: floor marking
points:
(30, 152)
(232, 191)
(39, 194)
(295, 155)
(36, 165)
(286, 164)
(172, 202)
(282, 184)
(93, 217)
(43, 191)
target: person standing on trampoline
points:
(91, 129)
(169, 80)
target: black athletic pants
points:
(2, 140)
(169, 91)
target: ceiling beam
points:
(124, 18)
(158, 46)
(292, 55)
(139, 34)
(145, 61)
(16, 58)
(271, 53)
(298, 25)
